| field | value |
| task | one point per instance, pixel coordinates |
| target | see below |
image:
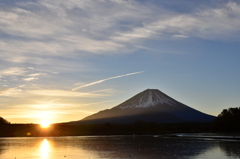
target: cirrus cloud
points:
(44, 28)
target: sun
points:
(45, 124)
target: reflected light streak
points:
(45, 149)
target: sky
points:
(64, 60)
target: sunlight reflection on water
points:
(45, 149)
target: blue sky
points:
(64, 60)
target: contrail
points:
(100, 81)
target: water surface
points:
(114, 147)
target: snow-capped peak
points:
(148, 98)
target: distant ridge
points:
(150, 105)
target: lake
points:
(114, 147)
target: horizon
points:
(62, 60)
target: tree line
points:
(228, 120)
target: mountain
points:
(150, 105)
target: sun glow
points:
(45, 124)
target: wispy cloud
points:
(100, 81)
(180, 36)
(35, 74)
(10, 91)
(22, 86)
(12, 71)
(30, 79)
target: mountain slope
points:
(149, 105)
